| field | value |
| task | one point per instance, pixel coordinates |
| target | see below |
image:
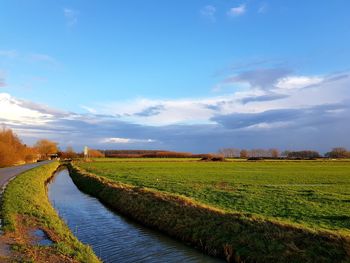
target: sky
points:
(177, 75)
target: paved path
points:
(6, 174)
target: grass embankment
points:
(236, 236)
(25, 208)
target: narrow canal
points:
(113, 237)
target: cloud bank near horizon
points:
(273, 108)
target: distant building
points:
(86, 152)
(53, 156)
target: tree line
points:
(13, 151)
(151, 154)
(338, 152)
(69, 153)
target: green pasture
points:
(312, 193)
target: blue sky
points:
(131, 66)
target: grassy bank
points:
(26, 208)
(237, 237)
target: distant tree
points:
(69, 153)
(258, 153)
(12, 150)
(229, 152)
(95, 153)
(306, 154)
(274, 153)
(45, 148)
(285, 153)
(338, 152)
(243, 154)
(30, 154)
(10, 147)
(151, 154)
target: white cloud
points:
(294, 115)
(209, 12)
(297, 82)
(287, 92)
(173, 111)
(117, 140)
(237, 11)
(284, 92)
(88, 109)
(71, 16)
(13, 112)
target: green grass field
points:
(312, 193)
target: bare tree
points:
(69, 153)
(229, 152)
(274, 153)
(243, 154)
(258, 153)
(46, 147)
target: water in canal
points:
(113, 237)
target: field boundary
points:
(234, 237)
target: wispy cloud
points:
(42, 58)
(270, 79)
(151, 111)
(288, 116)
(2, 79)
(117, 140)
(88, 109)
(209, 12)
(41, 108)
(263, 78)
(2, 82)
(237, 11)
(264, 98)
(296, 82)
(71, 16)
(263, 8)
(9, 53)
(24, 57)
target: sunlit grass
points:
(26, 205)
(207, 205)
(313, 193)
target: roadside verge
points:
(26, 211)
